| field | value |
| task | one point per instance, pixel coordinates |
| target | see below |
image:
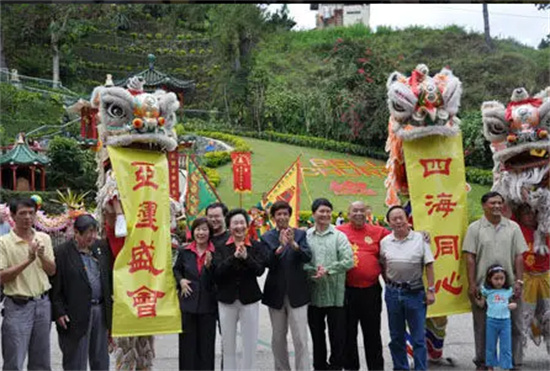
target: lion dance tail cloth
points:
(518, 133)
(420, 106)
(131, 119)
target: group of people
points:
(71, 284)
(325, 275)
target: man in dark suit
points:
(82, 298)
(286, 290)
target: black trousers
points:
(364, 306)
(336, 319)
(197, 341)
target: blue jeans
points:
(498, 330)
(407, 307)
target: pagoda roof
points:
(155, 79)
(22, 154)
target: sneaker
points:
(120, 226)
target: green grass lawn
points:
(270, 160)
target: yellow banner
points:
(287, 189)
(146, 301)
(437, 187)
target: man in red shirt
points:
(363, 301)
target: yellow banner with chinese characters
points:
(145, 298)
(437, 187)
(287, 188)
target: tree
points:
(68, 22)
(280, 20)
(28, 27)
(22, 110)
(70, 166)
(544, 42)
(487, 31)
(235, 30)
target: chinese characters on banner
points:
(242, 171)
(287, 188)
(145, 295)
(437, 186)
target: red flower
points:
(339, 40)
(368, 79)
(362, 60)
(361, 71)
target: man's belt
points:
(412, 286)
(96, 301)
(25, 299)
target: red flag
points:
(242, 171)
(174, 174)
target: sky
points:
(522, 22)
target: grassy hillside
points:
(270, 160)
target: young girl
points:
(497, 293)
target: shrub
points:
(212, 175)
(237, 143)
(217, 158)
(479, 176)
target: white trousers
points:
(281, 320)
(248, 316)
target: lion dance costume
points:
(420, 106)
(129, 118)
(518, 133)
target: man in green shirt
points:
(332, 257)
(494, 239)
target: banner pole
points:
(241, 200)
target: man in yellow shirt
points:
(26, 261)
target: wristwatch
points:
(431, 289)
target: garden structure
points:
(19, 166)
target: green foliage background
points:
(252, 72)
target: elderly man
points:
(363, 300)
(331, 259)
(490, 240)
(286, 290)
(26, 261)
(405, 255)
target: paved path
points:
(459, 345)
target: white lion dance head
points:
(519, 139)
(131, 118)
(420, 105)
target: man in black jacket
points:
(82, 298)
(286, 290)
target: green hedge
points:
(217, 158)
(238, 143)
(319, 143)
(473, 175)
(212, 175)
(479, 176)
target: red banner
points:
(174, 174)
(242, 171)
